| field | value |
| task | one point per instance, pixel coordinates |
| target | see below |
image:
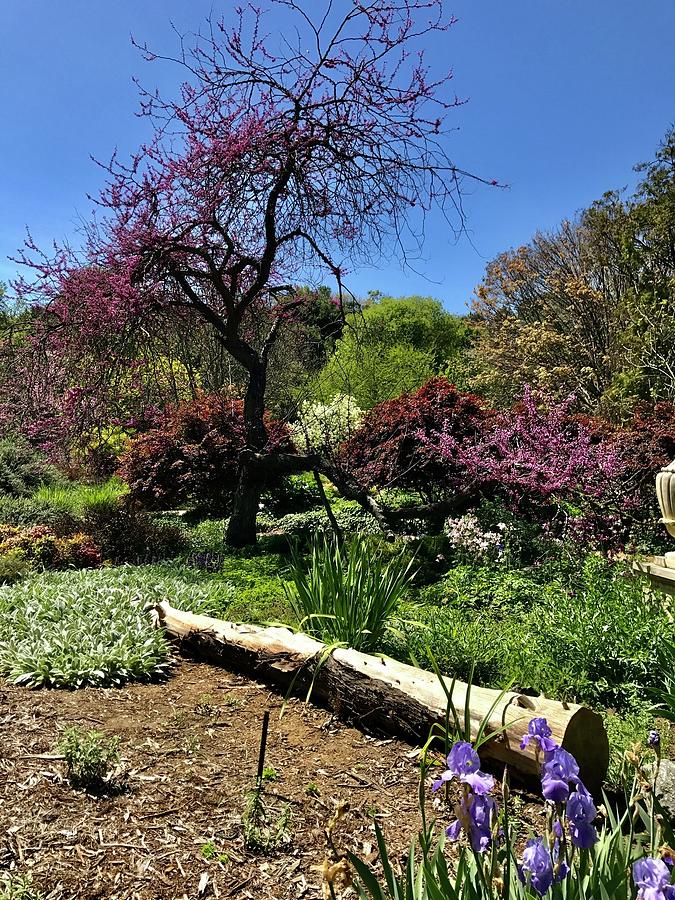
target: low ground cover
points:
(92, 627)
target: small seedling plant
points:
(211, 853)
(91, 759)
(265, 829)
(312, 790)
(18, 887)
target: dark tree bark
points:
(241, 529)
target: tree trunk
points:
(242, 529)
(390, 697)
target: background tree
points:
(265, 166)
(588, 309)
(390, 346)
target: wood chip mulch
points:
(189, 751)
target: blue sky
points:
(564, 97)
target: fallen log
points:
(387, 696)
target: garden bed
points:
(190, 747)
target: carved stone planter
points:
(665, 492)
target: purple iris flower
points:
(559, 769)
(476, 818)
(536, 868)
(541, 867)
(654, 739)
(538, 730)
(652, 877)
(580, 813)
(464, 765)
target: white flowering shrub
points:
(322, 427)
(469, 540)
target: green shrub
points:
(600, 638)
(13, 566)
(501, 591)
(594, 637)
(347, 594)
(22, 468)
(351, 518)
(126, 534)
(90, 758)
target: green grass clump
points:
(27, 512)
(76, 498)
(347, 594)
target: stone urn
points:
(665, 492)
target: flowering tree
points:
(325, 426)
(264, 167)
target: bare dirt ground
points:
(190, 751)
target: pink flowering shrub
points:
(534, 452)
(547, 464)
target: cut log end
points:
(586, 739)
